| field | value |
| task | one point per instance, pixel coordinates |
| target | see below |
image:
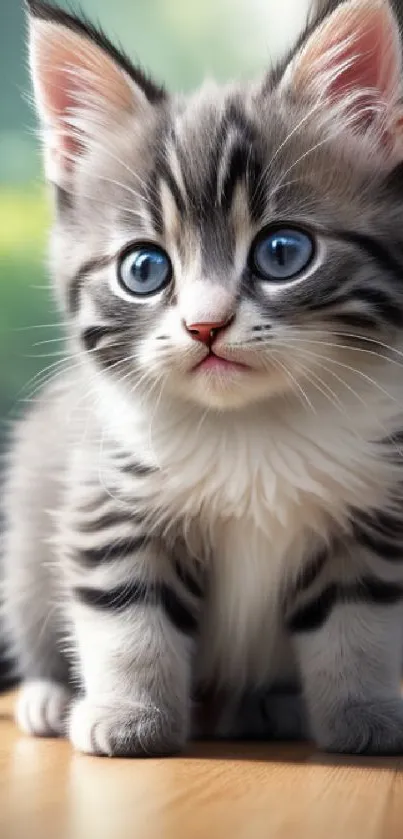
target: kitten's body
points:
(231, 534)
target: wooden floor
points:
(215, 791)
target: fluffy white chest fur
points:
(260, 488)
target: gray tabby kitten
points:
(204, 509)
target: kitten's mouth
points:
(213, 363)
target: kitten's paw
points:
(373, 728)
(42, 708)
(124, 729)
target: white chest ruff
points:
(262, 489)
(262, 502)
(242, 641)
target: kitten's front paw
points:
(42, 708)
(373, 728)
(124, 729)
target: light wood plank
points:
(255, 791)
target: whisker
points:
(56, 354)
(368, 339)
(295, 339)
(351, 370)
(323, 388)
(50, 341)
(56, 325)
(385, 431)
(296, 384)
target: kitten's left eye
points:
(281, 254)
(144, 270)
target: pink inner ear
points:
(71, 74)
(60, 95)
(357, 48)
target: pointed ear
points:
(351, 63)
(81, 83)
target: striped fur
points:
(209, 553)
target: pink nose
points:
(206, 332)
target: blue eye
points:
(282, 254)
(144, 270)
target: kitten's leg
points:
(349, 642)
(34, 632)
(30, 610)
(134, 626)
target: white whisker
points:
(296, 384)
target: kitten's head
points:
(224, 245)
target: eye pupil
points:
(281, 254)
(144, 264)
(144, 270)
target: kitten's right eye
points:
(144, 270)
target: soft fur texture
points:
(217, 551)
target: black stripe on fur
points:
(380, 532)
(235, 171)
(311, 571)
(76, 284)
(312, 615)
(9, 677)
(188, 579)
(124, 597)
(93, 335)
(118, 549)
(105, 521)
(141, 470)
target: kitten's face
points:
(230, 247)
(216, 198)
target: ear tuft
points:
(352, 65)
(80, 80)
(82, 26)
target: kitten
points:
(204, 508)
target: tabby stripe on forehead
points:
(167, 176)
(256, 188)
(236, 117)
(244, 163)
(133, 594)
(235, 170)
(76, 283)
(154, 206)
(313, 614)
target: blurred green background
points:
(180, 42)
